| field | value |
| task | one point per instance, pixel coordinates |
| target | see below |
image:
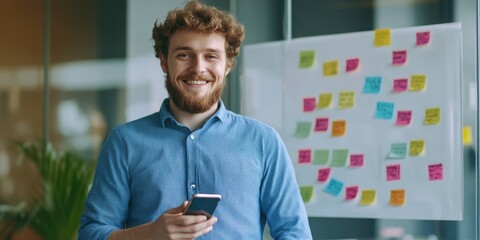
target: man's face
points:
(196, 68)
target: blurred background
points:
(72, 70)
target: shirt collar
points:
(165, 113)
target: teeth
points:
(197, 82)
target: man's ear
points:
(163, 63)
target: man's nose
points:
(198, 65)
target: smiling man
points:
(150, 167)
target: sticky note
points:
(321, 124)
(382, 37)
(399, 57)
(467, 137)
(432, 116)
(356, 160)
(309, 104)
(397, 197)
(303, 129)
(351, 192)
(338, 128)
(304, 156)
(339, 158)
(352, 64)
(330, 68)
(435, 172)
(307, 59)
(417, 83)
(368, 197)
(307, 193)
(320, 157)
(346, 99)
(372, 85)
(324, 101)
(334, 187)
(323, 174)
(384, 110)
(393, 172)
(423, 38)
(417, 148)
(404, 118)
(400, 85)
(398, 151)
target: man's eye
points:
(183, 55)
(211, 56)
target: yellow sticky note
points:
(467, 135)
(338, 128)
(307, 193)
(417, 147)
(368, 197)
(346, 99)
(397, 197)
(330, 68)
(432, 116)
(417, 82)
(325, 101)
(307, 59)
(382, 37)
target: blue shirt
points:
(155, 163)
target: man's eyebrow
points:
(216, 50)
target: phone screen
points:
(203, 204)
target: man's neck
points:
(191, 120)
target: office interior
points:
(72, 70)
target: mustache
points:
(193, 76)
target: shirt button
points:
(192, 137)
(192, 186)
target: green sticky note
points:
(320, 157)
(398, 151)
(307, 193)
(307, 59)
(303, 129)
(339, 158)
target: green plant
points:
(55, 213)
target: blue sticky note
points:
(334, 187)
(372, 85)
(384, 110)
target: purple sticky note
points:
(435, 172)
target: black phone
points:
(202, 204)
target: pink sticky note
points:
(356, 160)
(321, 124)
(351, 192)
(393, 172)
(304, 156)
(423, 38)
(352, 64)
(400, 85)
(323, 174)
(404, 118)
(435, 172)
(399, 57)
(309, 104)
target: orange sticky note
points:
(397, 197)
(338, 128)
(368, 197)
(382, 37)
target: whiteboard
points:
(394, 167)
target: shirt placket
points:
(192, 178)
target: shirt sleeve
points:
(280, 195)
(106, 207)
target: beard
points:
(193, 104)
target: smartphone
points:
(202, 204)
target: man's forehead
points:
(187, 40)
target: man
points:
(150, 167)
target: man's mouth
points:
(196, 82)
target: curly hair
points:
(198, 17)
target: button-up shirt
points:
(155, 163)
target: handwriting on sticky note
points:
(324, 101)
(432, 116)
(393, 172)
(307, 193)
(368, 197)
(351, 192)
(435, 172)
(330, 68)
(400, 85)
(382, 37)
(321, 125)
(404, 118)
(418, 82)
(303, 129)
(352, 64)
(307, 59)
(304, 156)
(423, 38)
(384, 110)
(309, 104)
(397, 197)
(417, 147)
(398, 151)
(356, 160)
(338, 128)
(323, 174)
(339, 158)
(334, 187)
(346, 99)
(320, 157)
(399, 57)
(372, 85)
